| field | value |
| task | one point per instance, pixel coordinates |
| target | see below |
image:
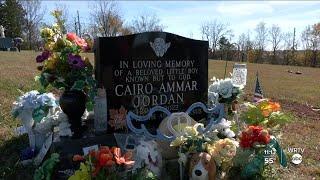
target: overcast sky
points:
(185, 17)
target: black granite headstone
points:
(144, 70)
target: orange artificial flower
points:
(126, 159)
(78, 157)
(275, 106)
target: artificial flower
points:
(71, 36)
(82, 173)
(225, 88)
(178, 141)
(46, 33)
(126, 159)
(44, 56)
(190, 131)
(63, 65)
(223, 150)
(75, 61)
(254, 135)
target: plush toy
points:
(147, 155)
(223, 127)
(202, 167)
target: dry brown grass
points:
(17, 70)
(276, 82)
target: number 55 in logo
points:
(268, 160)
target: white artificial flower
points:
(214, 86)
(225, 88)
(213, 98)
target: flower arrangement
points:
(223, 152)
(62, 65)
(264, 113)
(33, 106)
(254, 136)
(223, 91)
(106, 163)
(192, 141)
(257, 147)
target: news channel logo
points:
(296, 159)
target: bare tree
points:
(106, 19)
(146, 23)
(275, 38)
(213, 31)
(287, 47)
(312, 36)
(306, 43)
(261, 39)
(242, 40)
(33, 17)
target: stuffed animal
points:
(223, 127)
(147, 155)
(202, 167)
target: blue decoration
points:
(217, 109)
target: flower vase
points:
(73, 104)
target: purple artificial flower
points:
(45, 55)
(75, 61)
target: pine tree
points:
(12, 17)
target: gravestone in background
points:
(144, 70)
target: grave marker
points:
(144, 70)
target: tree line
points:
(25, 18)
(253, 48)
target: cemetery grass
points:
(296, 93)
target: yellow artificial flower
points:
(178, 141)
(51, 63)
(49, 46)
(190, 131)
(81, 174)
(47, 33)
(68, 43)
(60, 44)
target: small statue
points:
(202, 167)
(2, 32)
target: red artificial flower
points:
(79, 41)
(254, 134)
(71, 36)
(105, 149)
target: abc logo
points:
(296, 159)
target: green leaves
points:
(78, 85)
(39, 113)
(44, 172)
(281, 155)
